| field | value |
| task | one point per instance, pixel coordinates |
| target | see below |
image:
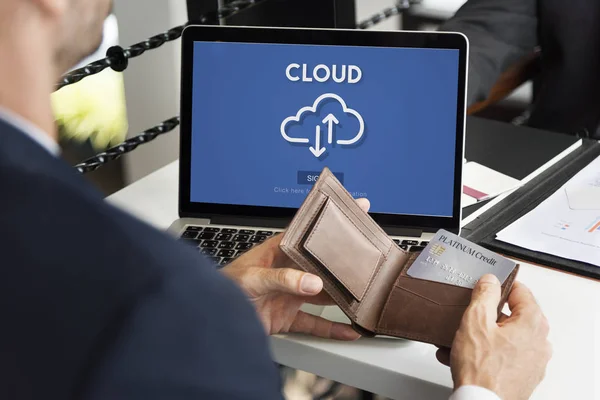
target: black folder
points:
(517, 151)
(483, 229)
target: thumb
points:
(486, 298)
(364, 204)
(287, 280)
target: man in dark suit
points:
(501, 32)
(96, 305)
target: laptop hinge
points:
(250, 221)
(399, 231)
(278, 223)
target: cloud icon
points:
(330, 119)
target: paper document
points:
(566, 224)
(466, 201)
(482, 183)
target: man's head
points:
(40, 40)
(79, 26)
(73, 28)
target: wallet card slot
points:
(428, 311)
(436, 292)
(343, 250)
(413, 316)
(423, 310)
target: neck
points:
(26, 82)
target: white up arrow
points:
(330, 119)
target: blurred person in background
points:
(567, 34)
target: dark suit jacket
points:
(96, 305)
(500, 32)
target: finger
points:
(485, 299)
(284, 280)
(271, 243)
(503, 318)
(320, 327)
(443, 356)
(522, 302)
(267, 253)
(364, 204)
(322, 299)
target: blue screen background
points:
(404, 162)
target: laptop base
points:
(224, 243)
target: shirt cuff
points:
(473, 393)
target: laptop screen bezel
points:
(311, 36)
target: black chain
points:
(92, 164)
(400, 7)
(118, 59)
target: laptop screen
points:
(266, 119)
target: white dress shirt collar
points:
(31, 130)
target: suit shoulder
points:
(72, 215)
(104, 272)
(178, 345)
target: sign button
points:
(311, 177)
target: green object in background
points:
(94, 108)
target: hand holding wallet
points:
(365, 272)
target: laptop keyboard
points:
(223, 245)
(412, 246)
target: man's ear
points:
(53, 8)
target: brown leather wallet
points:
(364, 271)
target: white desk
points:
(402, 369)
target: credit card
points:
(453, 260)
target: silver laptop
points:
(263, 110)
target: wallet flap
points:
(332, 237)
(341, 247)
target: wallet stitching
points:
(336, 275)
(372, 278)
(302, 210)
(321, 202)
(376, 230)
(387, 255)
(433, 301)
(387, 302)
(370, 286)
(361, 232)
(299, 259)
(403, 333)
